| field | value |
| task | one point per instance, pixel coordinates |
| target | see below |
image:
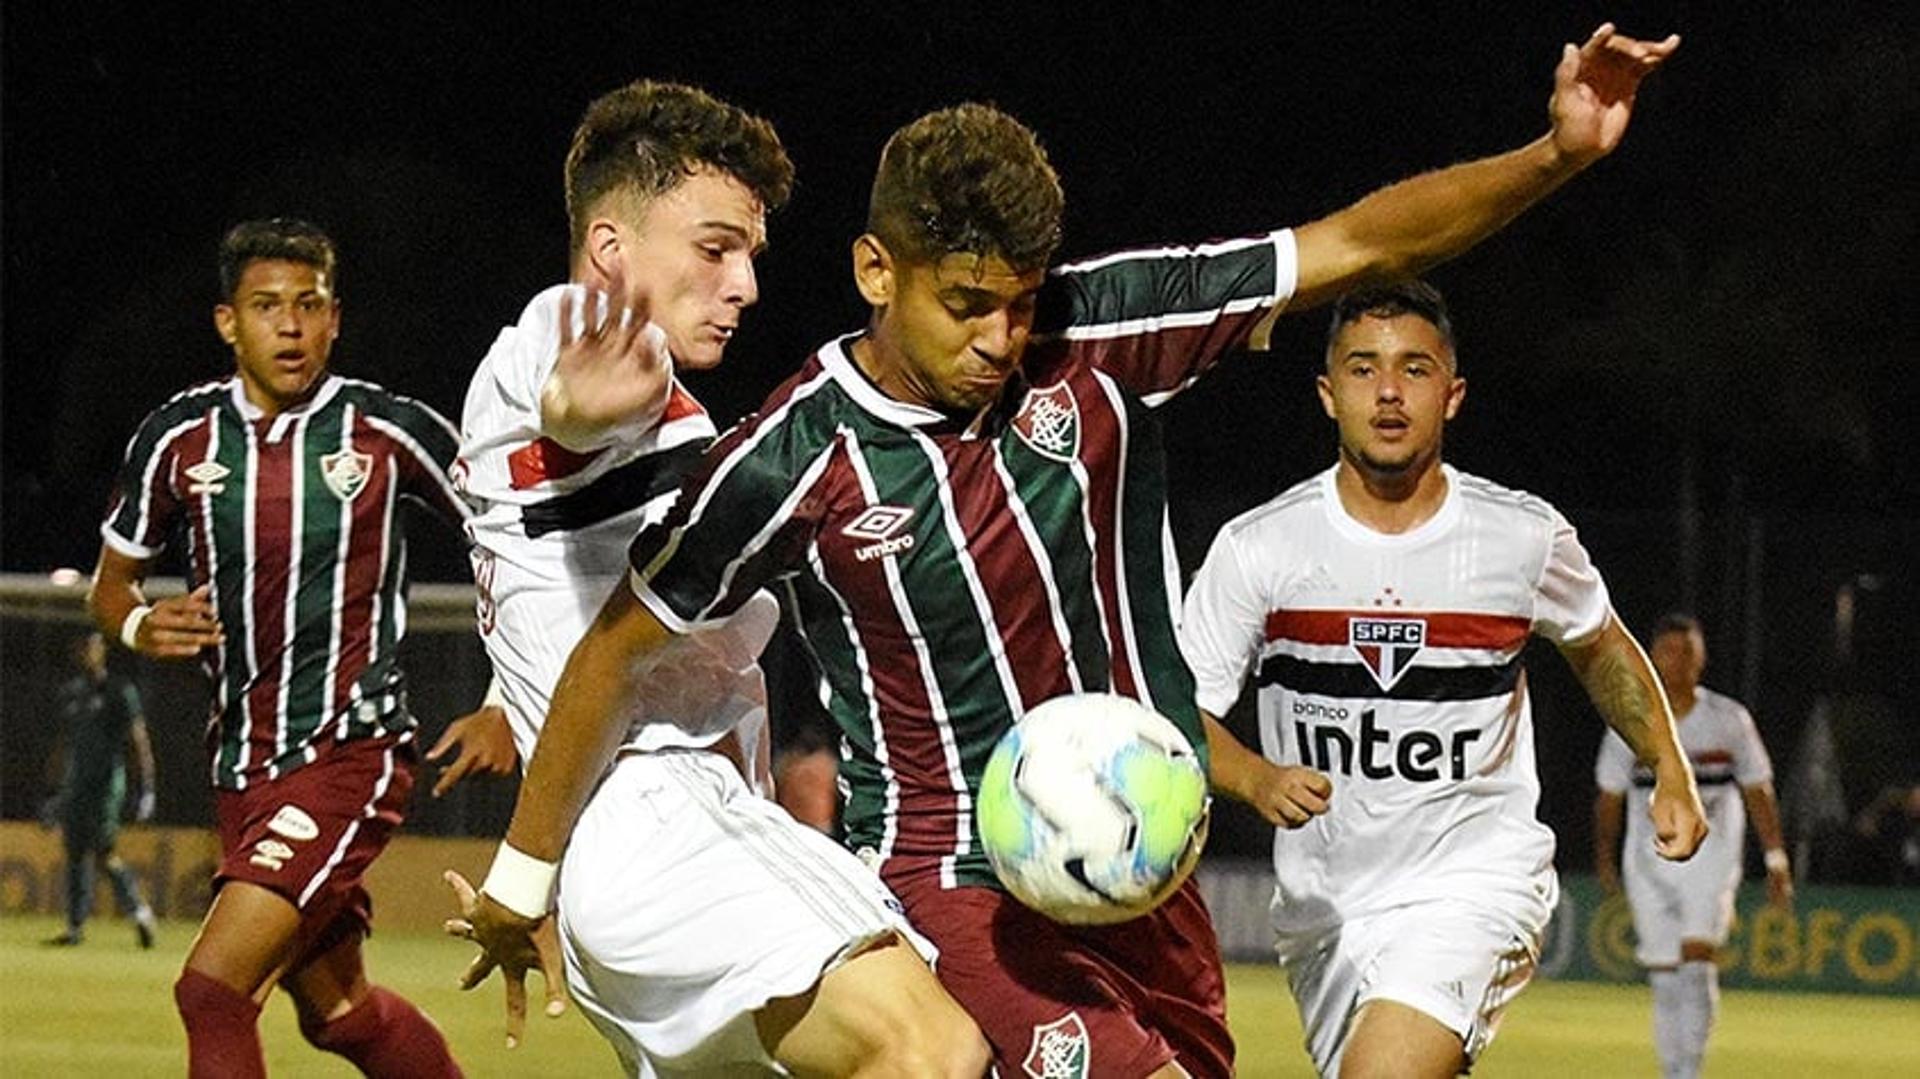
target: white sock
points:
(1669, 1023)
(1700, 1005)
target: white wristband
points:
(1776, 860)
(520, 882)
(130, 625)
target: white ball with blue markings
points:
(1093, 809)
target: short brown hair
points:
(647, 137)
(967, 179)
(285, 238)
(1391, 300)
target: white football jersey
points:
(1392, 664)
(553, 513)
(550, 533)
(1719, 738)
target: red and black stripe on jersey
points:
(1309, 640)
(950, 574)
(294, 522)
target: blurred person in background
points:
(1682, 910)
(101, 728)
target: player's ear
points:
(1456, 393)
(603, 247)
(1324, 385)
(224, 323)
(873, 271)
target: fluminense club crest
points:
(1049, 422)
(1386, 646)
(346, 472)
(1061, 1050)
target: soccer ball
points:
(1093, 809)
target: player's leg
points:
(1438, 979)
(1695, 1004)
(126, 893)
(1048, 1000)
(1391, 1039)
(79, 850)
(880, 1013)
(341, 1012)
(243, 943)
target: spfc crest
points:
(1387, 645)
(1060, 1050)
(1049, 422)
(346, 472)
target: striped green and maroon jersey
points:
(295, 521)
(949, 574)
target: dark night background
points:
(1703, 351)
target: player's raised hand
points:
(613, 368)
(178, 627)
(1594, 88)
(513, 944)
(485, 747)
(1679, 820)
(1289, 796)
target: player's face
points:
(281, 323)
(1390, 387)
(954, 329)
(1679, 657)
(689, 258)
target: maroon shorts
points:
(309, 835)
(1118, 1000)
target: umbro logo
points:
(1320, 580)
(206, 477)
(882, 525)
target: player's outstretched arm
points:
(177, 627)
(1626, 691)
(1287, 795)
(613, 369)
(1400, 230)
(509, 917)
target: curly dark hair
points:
(1390, 300)
(646, 137)
(969, 179)
(287, 238)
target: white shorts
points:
(1459, 963)
(686, 903)
(1678, 901)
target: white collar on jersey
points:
(250, 412)
(837, 361)
(1346, 525)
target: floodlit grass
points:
(106, 1009)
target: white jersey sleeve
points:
(1613, 768)
(1222, 623)
(1751, 765)
(1570, 600)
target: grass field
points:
(105, 1009)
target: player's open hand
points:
(179, 626)
(481, 743)
(1679, 821)
(1594, 88)
(1289, 796)
(613, 369)
(513, 944)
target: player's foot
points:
(143, 928)
(65, 940)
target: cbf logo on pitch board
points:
(1386, 646)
